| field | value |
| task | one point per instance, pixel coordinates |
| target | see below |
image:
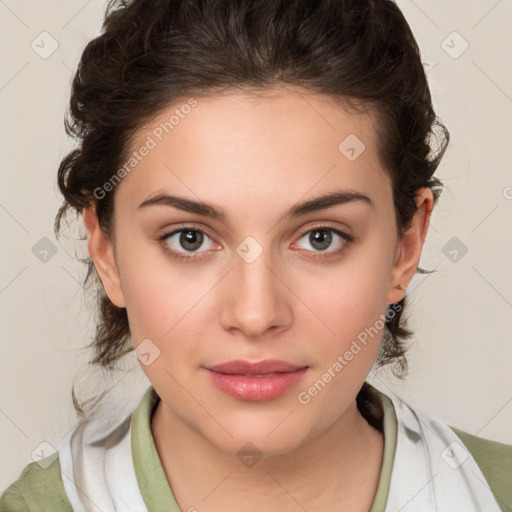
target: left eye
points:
(321, 238)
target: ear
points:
(408, 253)
(102, 253)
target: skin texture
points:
(255, 157)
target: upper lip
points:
(241, 367)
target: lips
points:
(261, 368)
(258, 381)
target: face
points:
(266, 279)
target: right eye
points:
(187, 239)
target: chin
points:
(262, 440)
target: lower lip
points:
(257, 389)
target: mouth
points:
(266, 367)
(255, 381)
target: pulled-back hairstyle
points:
(152, 53)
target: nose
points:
(256, 301)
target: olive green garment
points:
(39, 488)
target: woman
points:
(256, 182)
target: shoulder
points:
(38, 488)
(495, 461)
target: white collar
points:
(97, 465)
(432, 470)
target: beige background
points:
(460, 363)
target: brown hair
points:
(362, 53)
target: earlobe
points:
(102, 253)
(408, 253)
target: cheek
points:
(347, 338)
(346, 299)
(161, 309)
(349, 304)
(160, 304)
(157, 291)
(167, 303)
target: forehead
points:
(279, 144)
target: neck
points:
(344, 461)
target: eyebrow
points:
(209, 210)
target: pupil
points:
(193, 238)
(322, 236)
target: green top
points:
(39, 489)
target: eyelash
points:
(182, 257)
